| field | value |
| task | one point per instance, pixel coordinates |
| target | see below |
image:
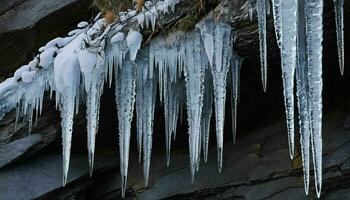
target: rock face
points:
(256, 167)
(26, 25)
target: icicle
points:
(67, 80)
(277, 20)
(339, 20)
(261, 9)
(194, 73)
(93, 111)
(222, 48)
(171, 110)
(223, 53)
(146, 99)
(314, 34)
(67, 115)
(250, 9)
(206, 115)
(139, 109)
(125, 97)
(288, 61)
(235, 70)
(302, 95)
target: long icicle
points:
(207, 114)
(125, 96)
(223, 53)
(261, 9)
(93, 111)
(302, 96)
(339, 21)
(194, 73)
(314, 34)
(235, 72)
(289, 61)
(148, 101)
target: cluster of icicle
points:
(188, 69)
(299, 32)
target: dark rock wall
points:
(256, 167)
(26, 25)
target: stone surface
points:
(41, 177)
(12, 151)
(250, 171)
(26, 25)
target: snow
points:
(118, 37)
(28, 76)
(82, 25)
(47, 57)
(133, 40)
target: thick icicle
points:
(223, 53)
(302, 95)
(261, 10)
(288, 61)
(222, 48)
(125, 97)
(194, 73)
(339, 21)
(314, 34)
(67, 82)
(146, 98)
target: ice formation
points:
(339, 21)
(261, 7)
(190, 70)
